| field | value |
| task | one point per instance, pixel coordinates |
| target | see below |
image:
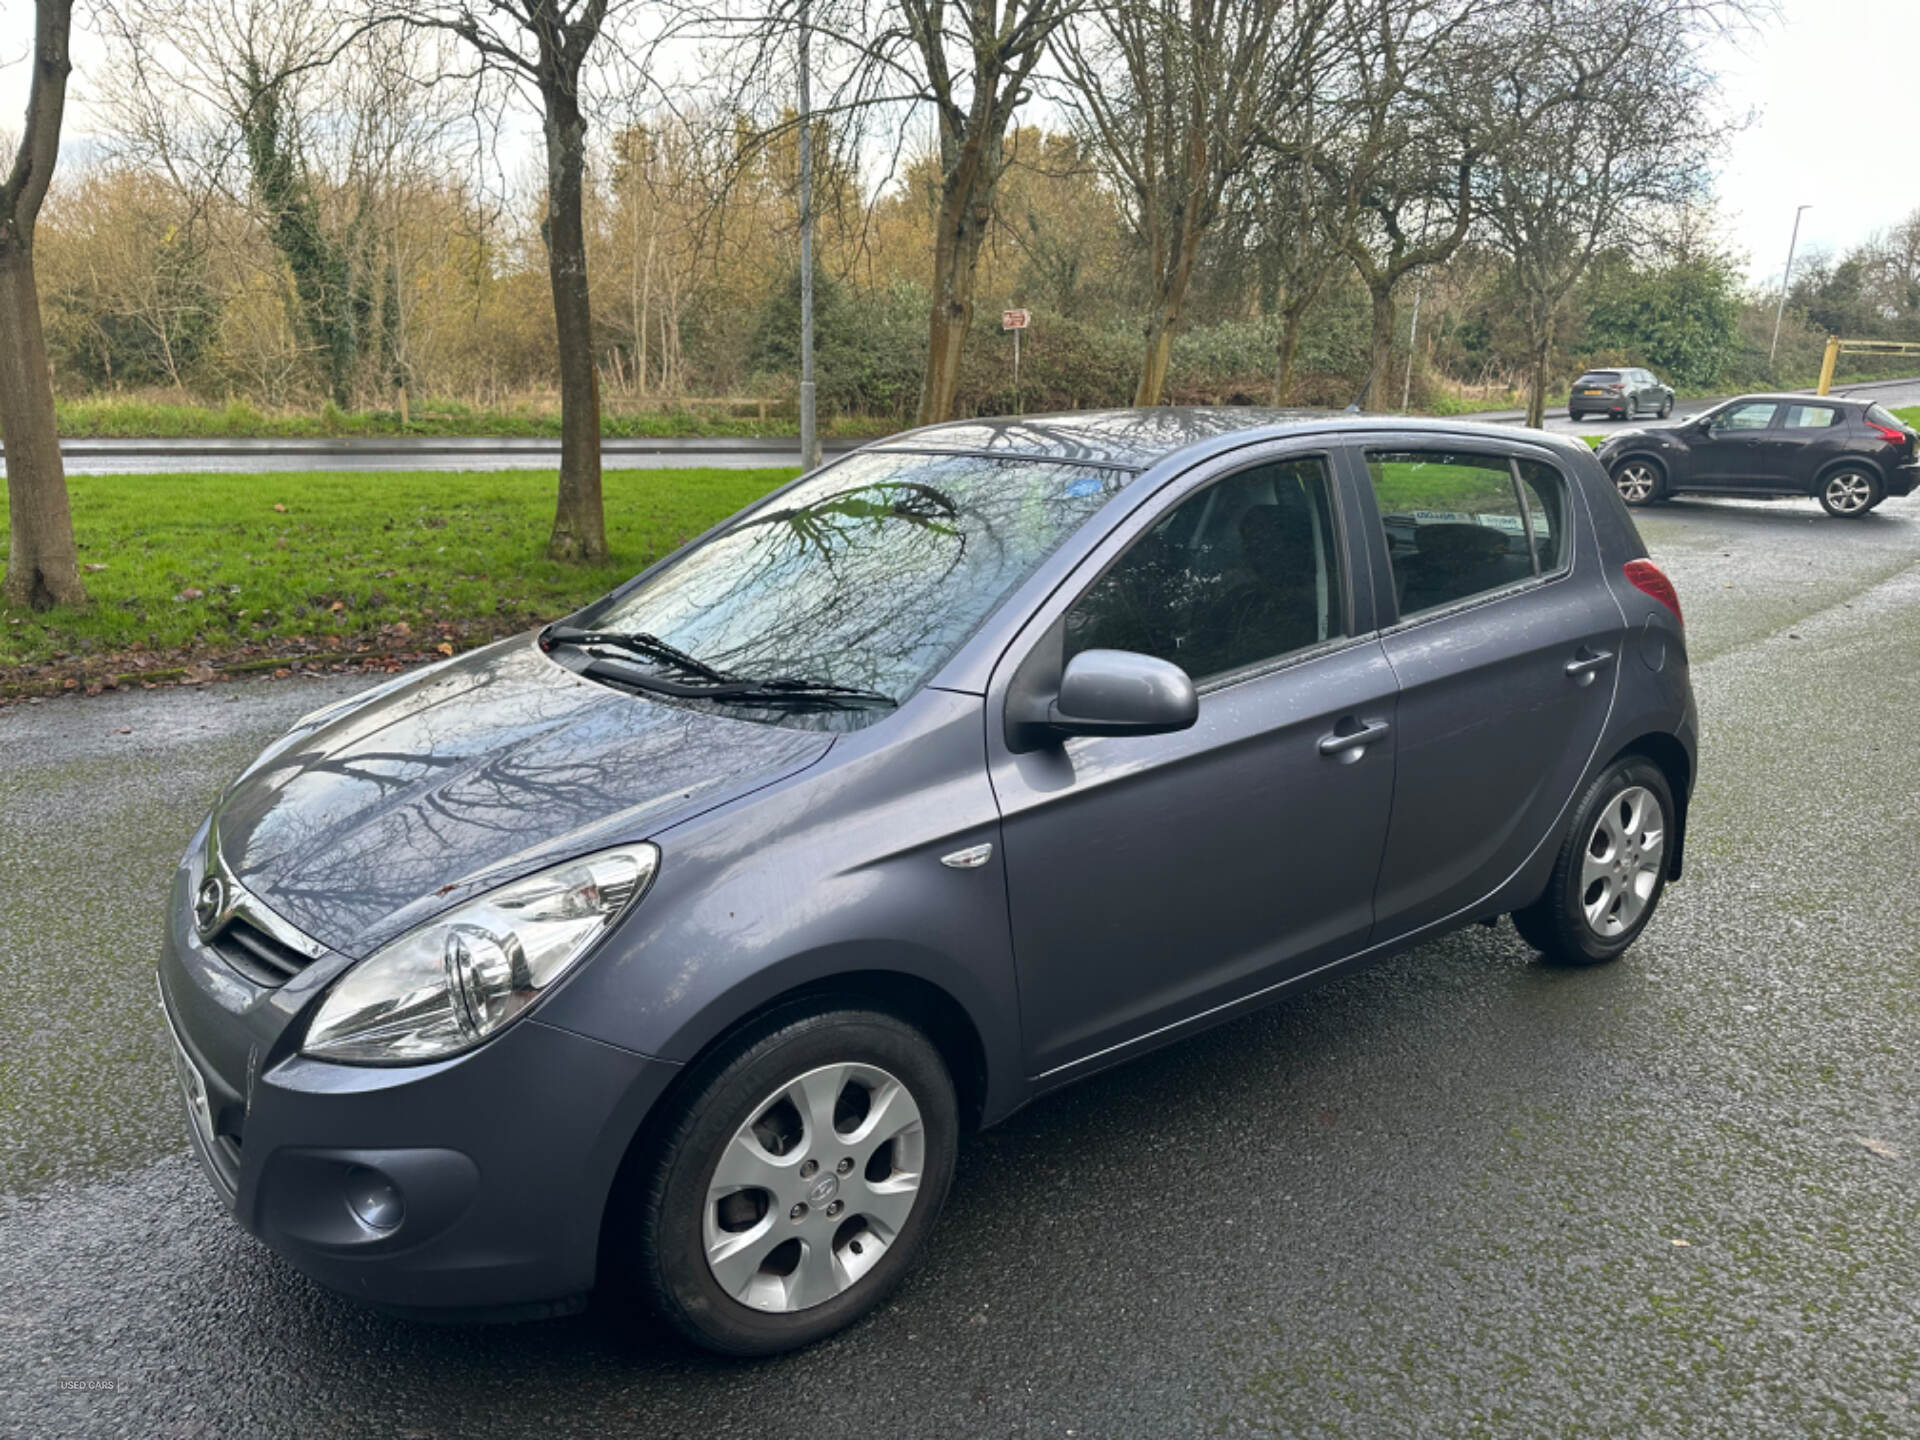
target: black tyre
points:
(799, 1182)
(1666, 407)
(1640, 480)
(1849, 492)
(1611, 870)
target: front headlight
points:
(454, 982)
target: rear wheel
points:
(1639, 481)
(1848, 493)
(801, 1182)
(1611, 870)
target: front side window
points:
(1242, 572)
(1753, 415)
(871, 574)
(1455, 524)
(1811, 417)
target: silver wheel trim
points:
(1849, 491)
(1622, 865)
(815, 1193)
(1636, 481)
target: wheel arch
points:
(1671, 756)
(1849, 462)
(1652, 457)
(913, 999)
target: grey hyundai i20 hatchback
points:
(674, 947)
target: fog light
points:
(374, 1199)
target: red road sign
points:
(1014, 319)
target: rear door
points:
(1734, 455)
(1804, 440)
(1506, 642)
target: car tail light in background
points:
(1649, 579)
(1888, 433)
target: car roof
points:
(1788, 398)
(1140, 438)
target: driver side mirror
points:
(1107, 692)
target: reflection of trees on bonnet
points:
(873, 573)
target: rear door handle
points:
(1348, 746)
(1583, 667)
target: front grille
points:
(256, 954)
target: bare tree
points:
(975, 60)
(42, 567)
(1599, 115)
(1171, 94)
(544, 46)
(1407, 157)
(1297, 218)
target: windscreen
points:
(870, 574)
(1598, 377)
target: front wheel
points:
(1666, 407)
(1848, 494)
(801, 1182)
(1640, 482)
(1611, 870)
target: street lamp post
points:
(1785, 279)
(809, 429)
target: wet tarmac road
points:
(1459, 1194)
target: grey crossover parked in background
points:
(675, 947)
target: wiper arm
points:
(650, 647)
(799, 688)
(782, 690)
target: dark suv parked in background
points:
(676, 945)
(1621, 394)
(1850, 454)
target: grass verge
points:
(189, 573)
(129, 418)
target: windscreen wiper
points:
(781, 690)
(638, 642)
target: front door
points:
(1154, 879)
(1734, 455)
(1506, 652)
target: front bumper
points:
(472, 1184)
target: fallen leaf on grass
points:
(190, 594)
(93, 567)
(280, 509)
(1879, 1147)
(444, 649)
(198, 673)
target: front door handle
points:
(1583, 667)
(1349, 745)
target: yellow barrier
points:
(1835, 345)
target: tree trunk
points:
(966, 207)
(1289, 349)
(1539, 319)
(1380, 347)
(579, 518)
(42, 568)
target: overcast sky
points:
(1833, 84)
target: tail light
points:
(1888, 433)
(1649, 579)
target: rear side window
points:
(1811, 417)
(1885, 417)
(1242, 572)
(1457, 526)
